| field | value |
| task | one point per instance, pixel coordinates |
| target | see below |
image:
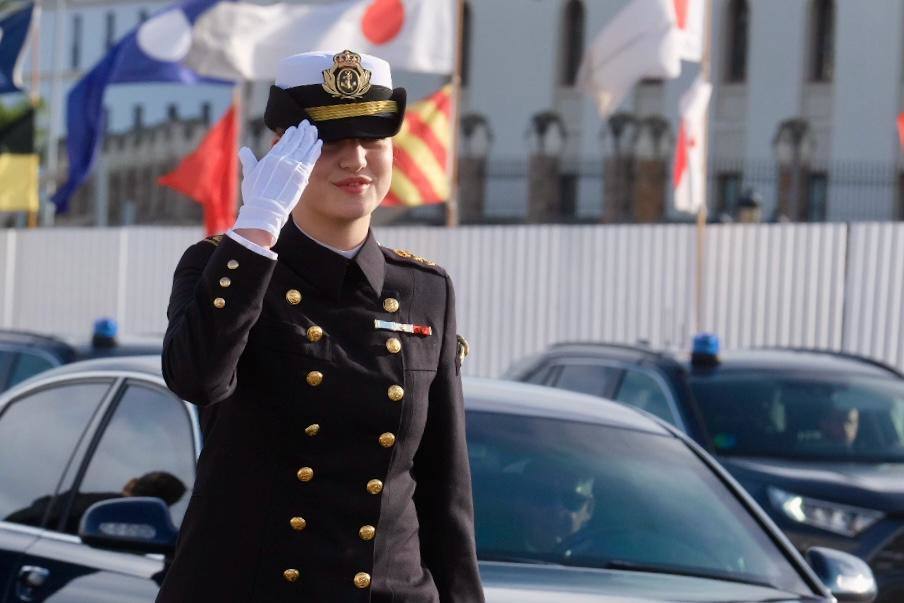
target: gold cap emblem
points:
(346, 78)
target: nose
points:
(353, 156)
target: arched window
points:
(822, 41)
(736, 52)
(572, 45)
(465, 43)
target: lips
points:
(354, 185)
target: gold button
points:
(293, 296)
(291, 575)
(314, 378)
(391, 304)
(312, 429)
(315, 334)
(387, 440)
(225, 281)
(219, 303)
(305, 474)
(374, 486)
(362, 580)
(396, 393)
(298, 523)
(367, 532)
(232, 264)
(393, 345)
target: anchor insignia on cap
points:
(346, 78)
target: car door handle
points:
(31, 578)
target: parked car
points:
(817, 438)
(24, 353)
(576, 499)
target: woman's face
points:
(350, 179)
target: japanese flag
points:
(689, 171)
(243, 40)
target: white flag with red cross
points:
(646, 39)
(689, 170)
(243, 40)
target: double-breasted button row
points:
(291, 575)
(362, 579)
(374, 486)
(305, 474)
(314, 378)
(396, 393)
(298, 523)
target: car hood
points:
(877, 486)
(527, 583)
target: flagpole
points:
(452, 207)
(34, 95)
(52, 160)
(705, 70)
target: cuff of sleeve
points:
(252, 246)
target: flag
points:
(420, 172)
(246, 40)
(647, 38)
(13, 32)
(900, 122)
(689, 171)
(19, 164)
(209, 175)
(153, 51)
(689, 17)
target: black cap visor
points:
(377, 114)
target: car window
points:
(38, 434)
(644, 392)
(593, 379)
(565, 492)
(540, 376)
(6, 360)
(146, 450)
(26, 365)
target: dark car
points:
(817, 438)
(24, 353)
(576, 500)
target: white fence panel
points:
(521, 288)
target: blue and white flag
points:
(13, 32)
(154, 51)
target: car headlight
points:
(834, 517)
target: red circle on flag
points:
(383, 20)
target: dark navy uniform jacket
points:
(335, 465)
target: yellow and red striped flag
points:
(420, 173)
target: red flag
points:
(209, 175)
(900, 121)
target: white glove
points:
(272, 186)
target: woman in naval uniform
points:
(335, 465)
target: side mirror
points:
(137, 524)
(849, 578)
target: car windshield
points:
(571, 493)
(813, 417)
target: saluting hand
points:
(272, 186)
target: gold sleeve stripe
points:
(327, 113)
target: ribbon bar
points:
(422, 330)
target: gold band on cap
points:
(328, 112)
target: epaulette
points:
(408, 255)
(214, 240)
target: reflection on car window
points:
(642, 391)
(26, 365)
(587, 378)
(591, 495)
(146, 450)
(803, 416)
(38, 434)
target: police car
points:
(576, 499)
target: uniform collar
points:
(326, 269)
